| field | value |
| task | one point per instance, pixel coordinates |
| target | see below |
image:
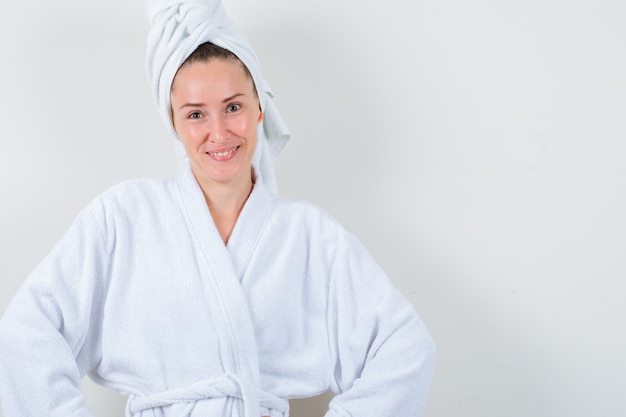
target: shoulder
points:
(138, 191)
(312, 222)
(316, 221)
(139, 188)
(305, 212)
(129, 198)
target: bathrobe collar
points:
(224, 268)
(249, 227)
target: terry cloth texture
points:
(142, 294)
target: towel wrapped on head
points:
(177, 28)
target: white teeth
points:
(222, 154)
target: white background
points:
(477, 148)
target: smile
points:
(222, 154)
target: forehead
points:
(212, 74)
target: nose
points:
(218, 130)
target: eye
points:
(194, 115)
(233, 107)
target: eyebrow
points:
(232, 97)
(226, 100)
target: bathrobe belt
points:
(226, 385)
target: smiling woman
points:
(208, 294)
(216, 114)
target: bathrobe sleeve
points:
(49, 332)
(384, 355)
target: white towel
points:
(177, 28)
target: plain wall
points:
(477, 148)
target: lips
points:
(223, 153)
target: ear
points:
(260, 114)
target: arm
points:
(384, 354)
(48, 332)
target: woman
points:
(207, 294)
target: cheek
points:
(245, 127)
(191, 133)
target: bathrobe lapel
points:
(249, 228)
(238, 348)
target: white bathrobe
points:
(142, 294)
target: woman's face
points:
(216, 112)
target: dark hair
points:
(208, 51)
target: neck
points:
(225, 202)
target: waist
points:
(253, 402)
